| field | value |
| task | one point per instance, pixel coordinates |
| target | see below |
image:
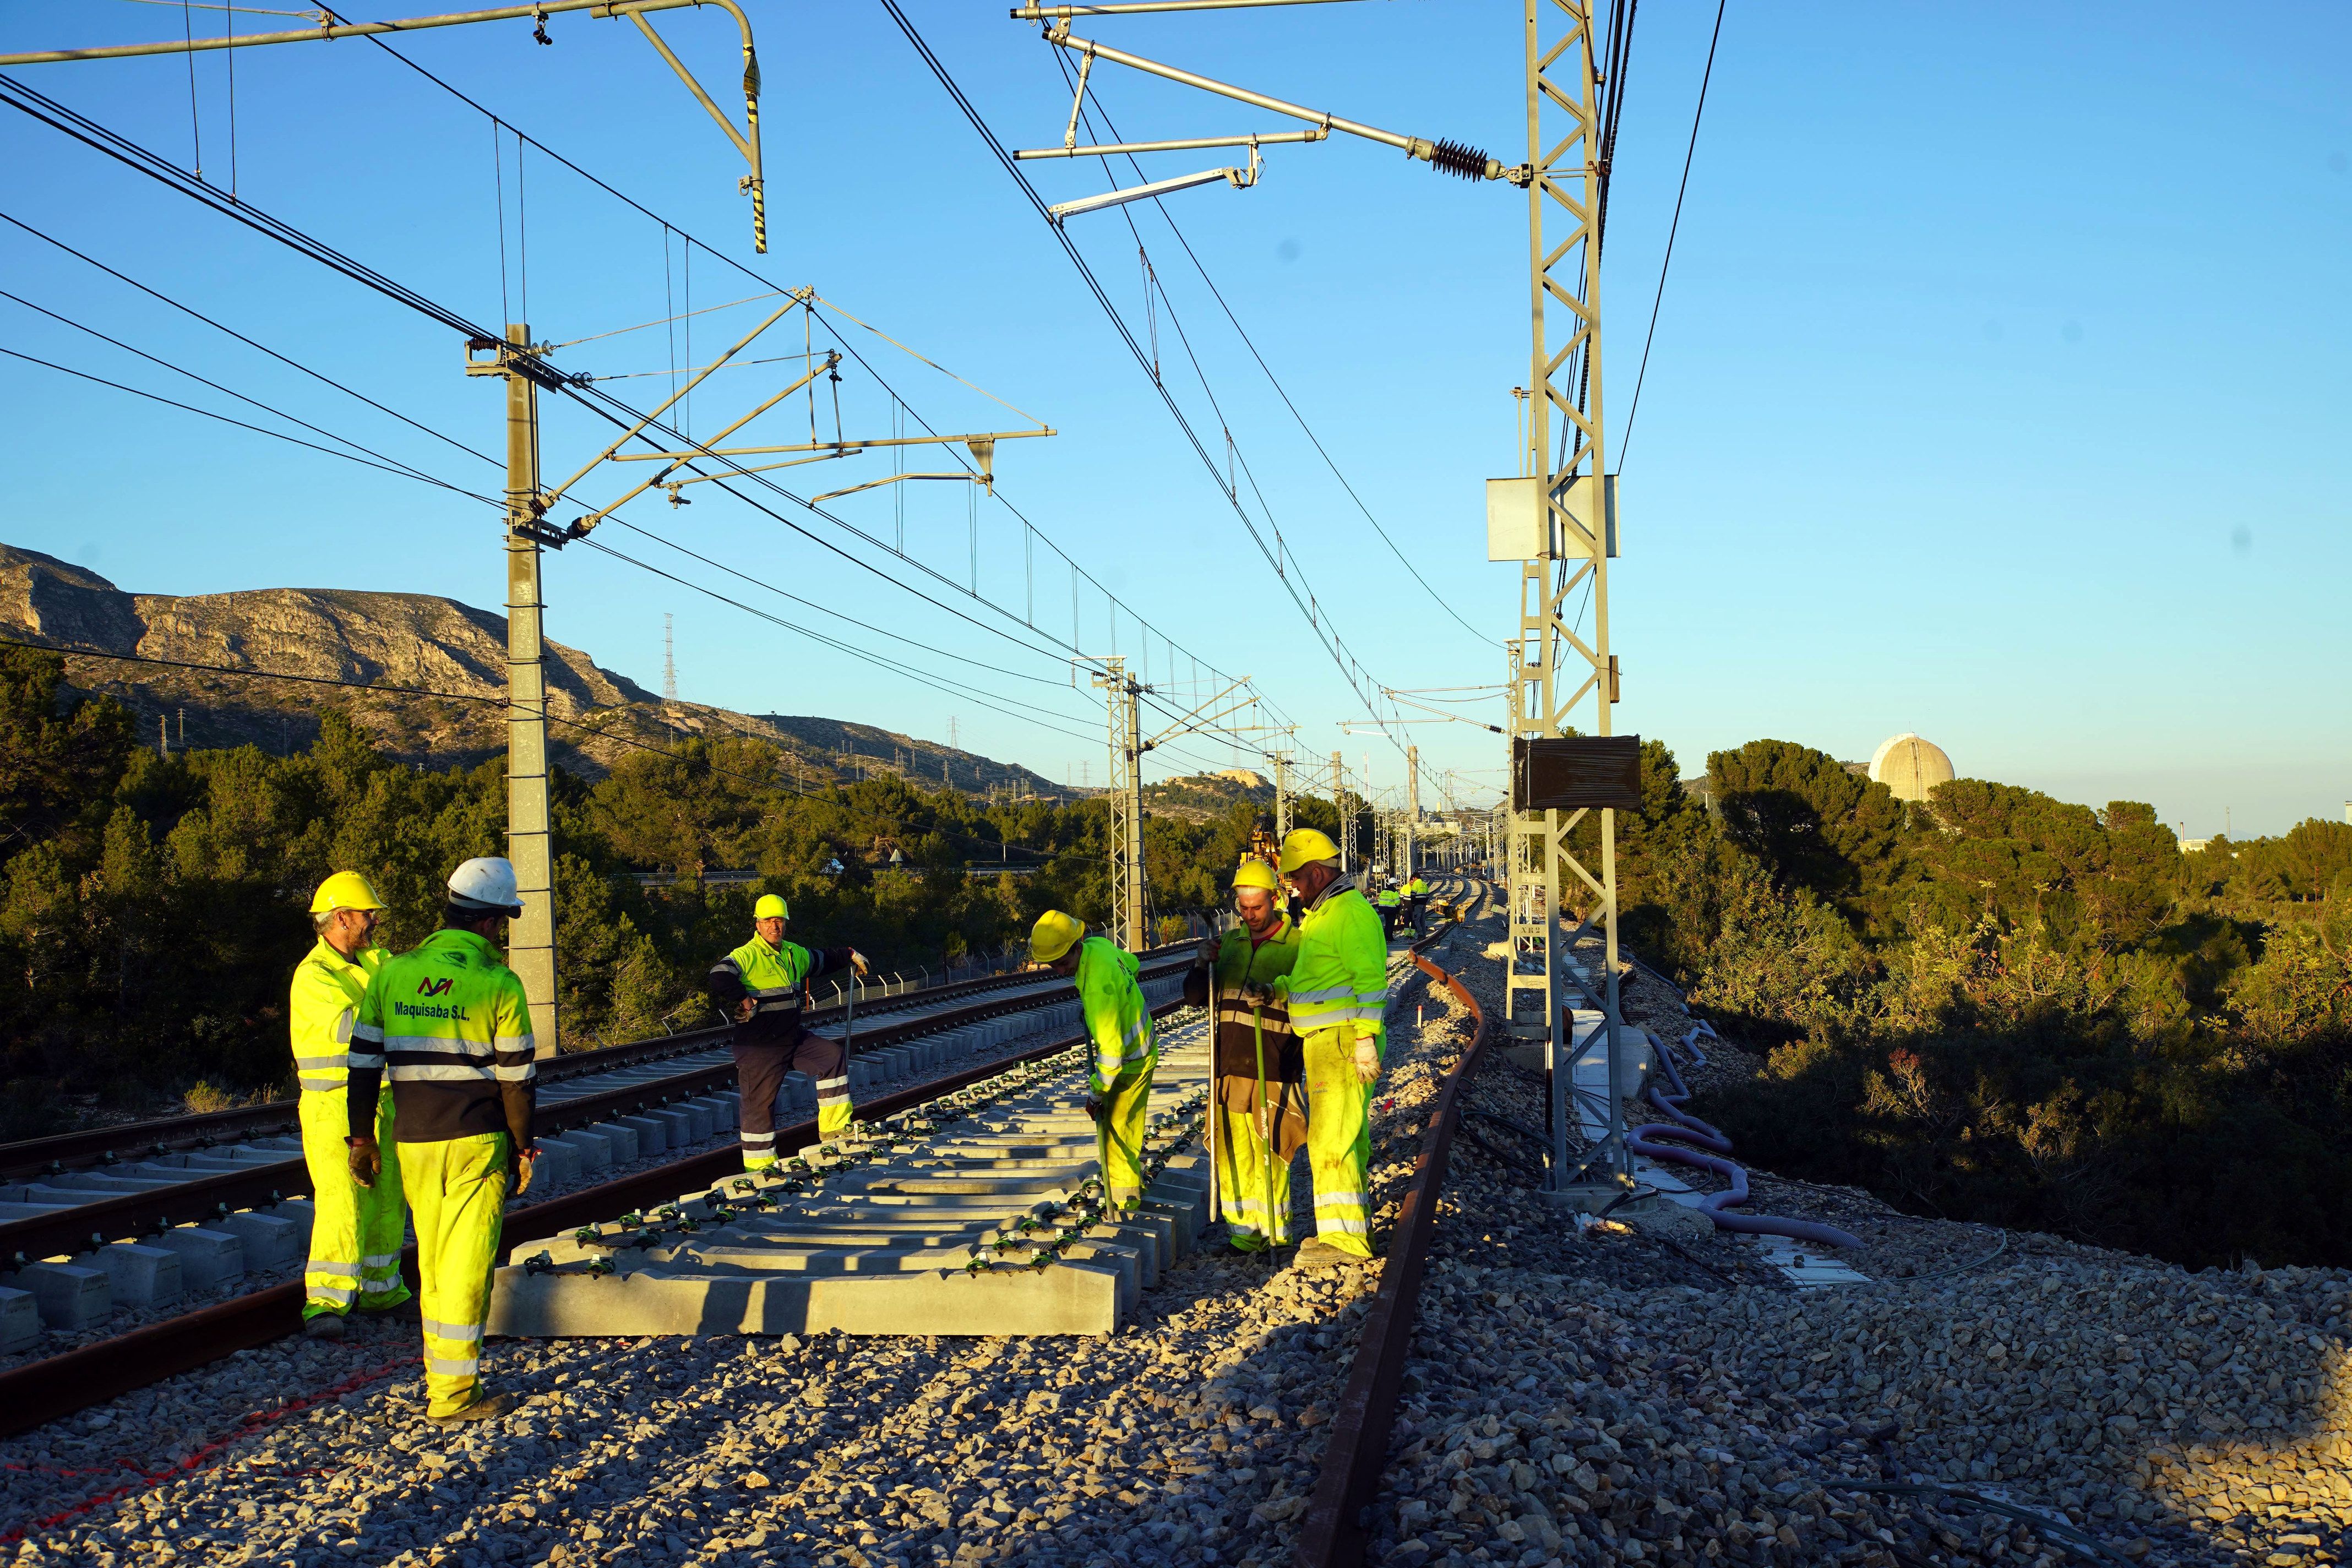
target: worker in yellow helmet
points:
(1115, 1018)
(355, 1231)
(1337, 993)
(761, 987)
(448, 1023)
(1261, 1080)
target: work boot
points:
(1315, 1254)
(488, 1408)
(327, 1326)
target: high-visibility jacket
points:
(1341, 979)
(321, 1008)
(1390, 899)
(1416, 889)
(776, 978)
(1111, 1005)
(449, 1023)
(1241, 1028)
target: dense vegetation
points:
(2003, 1007)
(151, 907)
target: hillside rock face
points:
(451, 656)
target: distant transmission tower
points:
(669, 661)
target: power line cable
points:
(1349, 668)
(241, 337)
(1635, 407)
(256, 429)
(381, 458)
(1271, 380)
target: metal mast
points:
(1411, 804)
(1125, 798)
(530, 940)
(1570, 553)
(1339, 804)
(1281, 795)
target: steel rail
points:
(85, 1226)
(1334, 1532)
(57, 1386)
(102, 1146)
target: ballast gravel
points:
(1640, 1393)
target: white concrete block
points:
(207, 1258)
(68, 1294)
(139, 1275)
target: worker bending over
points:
(1112, 1011)
(1261, 1080)
(1338, 993)
(448, 1021)
(355, 1232)
(762, 986)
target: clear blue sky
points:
(1998, 393)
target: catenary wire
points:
(1349, 666)
(382, 458)
(1275, 382)
(256, 429)
(1625, 438)
(38, 106)
(690, 241)
(241, 337)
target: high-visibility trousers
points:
(759, 1075)
(1253, 1177)
(355, 1231)
(1119, 1133)
(1338, 1142)
(457, 1195)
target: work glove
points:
(519, 1171)
(367, 1159)
(1206, 953)
(1095, 1109)
(1368, 1060)
(744, 1009)
(857, 962)
(1253, 996)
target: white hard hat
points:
(486, 883)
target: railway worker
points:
(355, 1231)
(1261, 1080)
(1392, 907)
(1416, 896)
(1112, 1010)
(1337, 993)
(761, 987)
(449, 1023)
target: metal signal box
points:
(1515, 526)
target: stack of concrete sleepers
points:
(978, 1216)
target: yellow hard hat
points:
(1304, 846)
(771, 907)
(345, 891)
(1055, 934)
(1254, 872)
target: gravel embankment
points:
(1641, 1394)
(1191, 1435)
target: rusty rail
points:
(1335, 1531)
(57, 1386)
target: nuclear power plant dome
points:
(1910, 766)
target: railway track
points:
(198, 1217)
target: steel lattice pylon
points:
(1563, 87)
(1129, 917)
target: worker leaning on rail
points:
(1261, 1078)
(1116, 1020)
(761, 987)
(1337, 993)
(448, 1023)
(355, 1231)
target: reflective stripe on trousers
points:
(1119, 1136)
(457, 1195)
(1253, 1181)
(1338, 1141)
(355, 1232)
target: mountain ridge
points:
(348, 647)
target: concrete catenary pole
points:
(530, 940)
